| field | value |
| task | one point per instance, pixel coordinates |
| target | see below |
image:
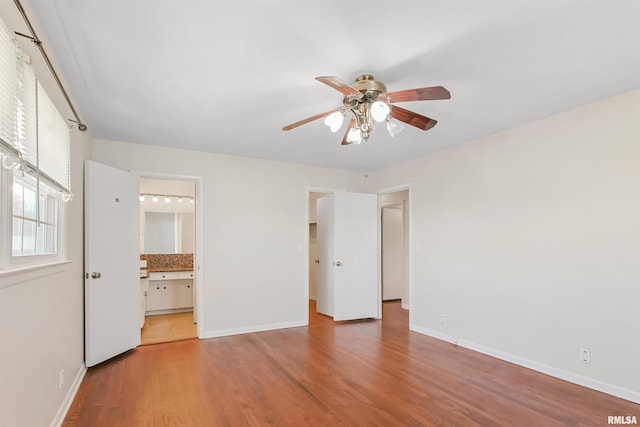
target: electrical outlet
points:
(443, 319)
(585, 356)
(61, 379)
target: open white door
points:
(112, 278)
(348, 254)
(324, 244)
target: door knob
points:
(317, 261)
(338, 263)
(95, 275)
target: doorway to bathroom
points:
(167, 260)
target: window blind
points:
(54, 141)
(32, 131)
(7, 87)
(26, 119)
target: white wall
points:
(42, 324)
(528, 242)
(41, 313)
(254, 265)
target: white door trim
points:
(409, 224)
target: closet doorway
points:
(394, 234)
(313, 242)
(394, 253)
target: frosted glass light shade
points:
(354, 136)
(394, 127)
(379, 111)
(334, 121)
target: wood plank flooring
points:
(361, 373)
(163, 328)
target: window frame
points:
(9, 261)
(37, 257)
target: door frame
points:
(408, 243)
(307, 197)
(198, 272)
(312, 189)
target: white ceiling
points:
(226, 76)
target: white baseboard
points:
(562, 374)
(251, 329)
(68, 399)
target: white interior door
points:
(112, 279)
(392, 253)
(356, 284)
(347, 239)
(324, 247)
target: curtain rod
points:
(34, 38)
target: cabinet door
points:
(144, 289)
(154, 296)
(185, 295)
(169, 296)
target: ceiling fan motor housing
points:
(367, 83)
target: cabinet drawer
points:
(185, 274)
(163, 275)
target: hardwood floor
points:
(163, 328)
(361, 373)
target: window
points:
(35, 154)
(34, 218)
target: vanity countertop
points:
(156, 269)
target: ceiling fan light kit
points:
(370, 103)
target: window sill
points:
(16, 276)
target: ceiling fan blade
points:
(420, 94)
(344, 138)
(307, 120)
(340, 85)
(411, 118)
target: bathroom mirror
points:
(167, 233)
